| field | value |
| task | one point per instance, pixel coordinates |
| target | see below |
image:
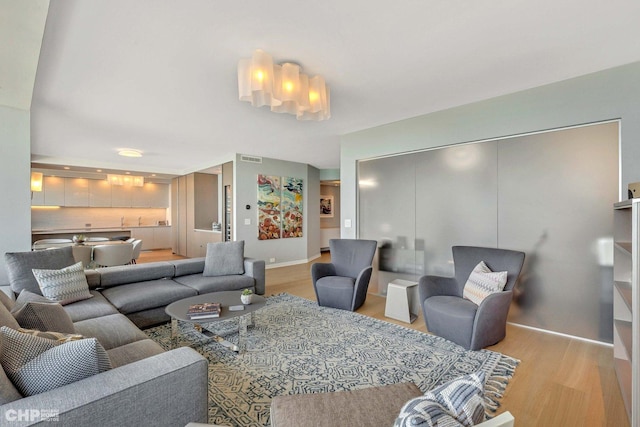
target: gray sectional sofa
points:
(146, 385)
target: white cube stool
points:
(401, 297)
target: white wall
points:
(15, 211)
(609, 94)
(285, 251)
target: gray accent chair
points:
(343, 282)
(449, 315)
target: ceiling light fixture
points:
(130, 152)
(132, 180)
(284, 88)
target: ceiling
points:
(160, 75)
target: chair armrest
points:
(320, 270)
(255, 268)
(431, 286)
(168, 389)
(361, 286)
(490, 323)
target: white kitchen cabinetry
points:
(99, 193)
(76, 192)
(152, 237)
(151, 195)
(53, 191)
(121, 196)
(162, 237)
(626, 304)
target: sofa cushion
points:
(133, 352)
(483, 282)
(371, 406)
(34, 311)
(65, 285)
(112, 331)
(188, 266)
(8, 392)
(20, 264)
(124, 274)
(204, 285)
(89, 308)
(93, 278)
(35, 365)
(224, 258)
(145, 295)
(7, 319)
(6, 301)
(457, 402)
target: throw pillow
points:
(483, 282)
(459, 402)
(19, 265)
(65, 286)
(31, 313)
(224, 259)
(35, 365)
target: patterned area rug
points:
(298, 347)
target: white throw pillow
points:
(482, 282)
(64, 286)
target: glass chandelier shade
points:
(284, 88)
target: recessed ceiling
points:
(160, 76)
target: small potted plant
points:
(246, 296)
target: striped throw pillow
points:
(460, 402)
(482, 282)
(64, 286)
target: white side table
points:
(401, 295)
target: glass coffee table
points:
(178, 313)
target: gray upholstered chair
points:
(449, 315)
(110, 255)
(343, 282)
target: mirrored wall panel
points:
(548, 194)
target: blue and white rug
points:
(298, 347)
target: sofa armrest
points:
(168, 389)
(255, 268)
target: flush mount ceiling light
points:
(284, 88)
(130, 152)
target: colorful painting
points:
(269, 198)
(279, 207)
(291, 207)
(326, 206)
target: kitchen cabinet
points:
(199, 241)
(121, 196)
(53, 191)
(152, 237)
(76, 192)
(99, 193)
(151, 195)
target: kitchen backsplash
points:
(67, 218)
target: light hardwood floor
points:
(559, 382)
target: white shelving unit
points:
(626, 304)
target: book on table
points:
(204, 310)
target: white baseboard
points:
(289, 263)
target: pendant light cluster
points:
(284, 88)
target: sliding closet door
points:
(555, 197)
(386, 207)
(456, 202)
